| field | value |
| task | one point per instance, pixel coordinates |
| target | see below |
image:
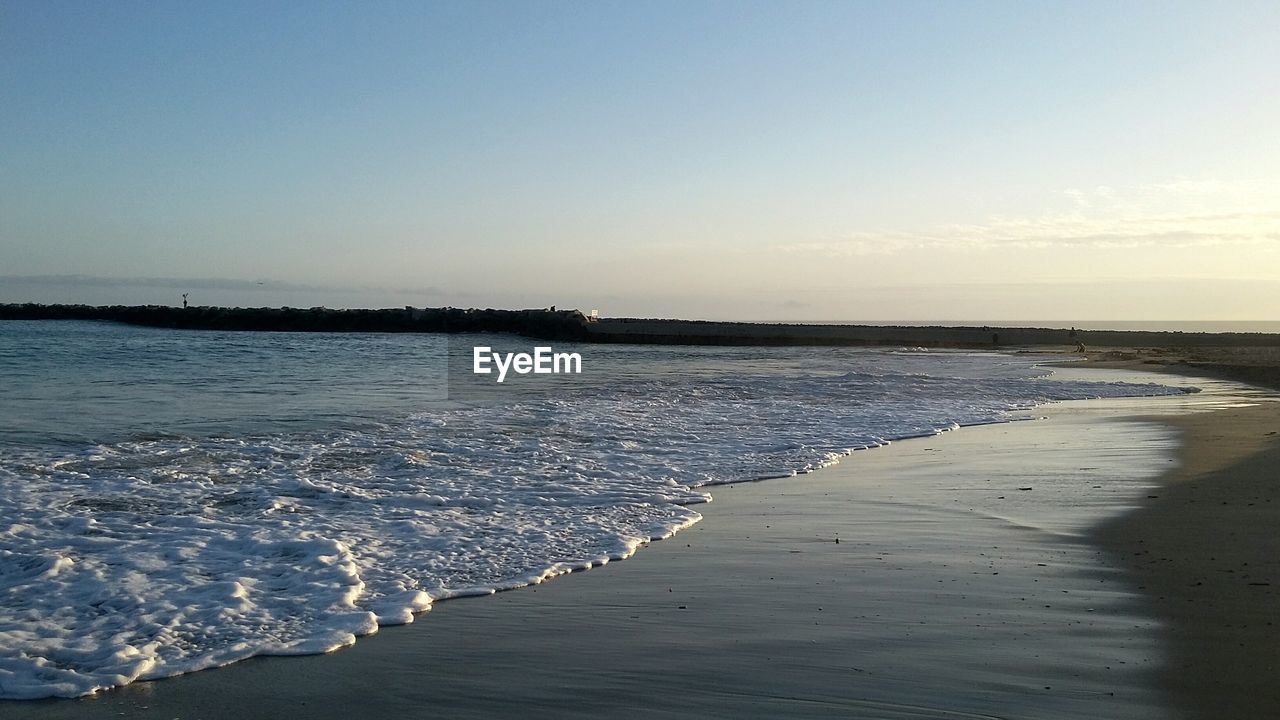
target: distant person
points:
(184, 301)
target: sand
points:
(1206, 553)
(1259, 366)
(1015, 571)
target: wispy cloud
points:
(1180, 213)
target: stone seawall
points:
(572, 325)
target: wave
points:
(167, 553)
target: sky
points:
(740, 160)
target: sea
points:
(172, 500)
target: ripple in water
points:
(164, 553)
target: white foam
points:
(160, 556)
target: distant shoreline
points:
(551, 324)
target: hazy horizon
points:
(167, 291)
(736, 161)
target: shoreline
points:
(481, 629)
(1257, 366)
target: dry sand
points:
(1253, 365)
(953, 593)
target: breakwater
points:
(698, 332)
(541, 323)
(572, 325)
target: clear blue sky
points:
(813, 160)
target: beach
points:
(1206, 555)
(915, 361)
(991, 571)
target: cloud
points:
(1176, 214)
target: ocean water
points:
(172, 501)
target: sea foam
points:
(166, 554)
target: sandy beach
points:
(968, 581)
(1257, 366)
(902, 361)
(1206, 554)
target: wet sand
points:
(965, 583)
(1259, 366)
(1206, 553)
